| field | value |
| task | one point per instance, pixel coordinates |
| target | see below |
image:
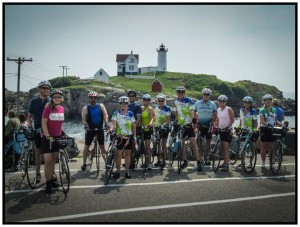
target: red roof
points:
(122, 57)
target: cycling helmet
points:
(180, 88)
(44, 83)
(123, 99)
(160, 96)
(56, 91)
(222, 98)
(267, 96)
(146, 96)
(131, 92)
(248, 99)
(92, 94)
(206, 91)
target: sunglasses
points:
(161, 100)
(131, 96)
(124, 103)
(93, 98)
(180, 92)
(146, 100)
(222, 101)
(45, 88)
(247, 102)
(57, 97)
(206, 94)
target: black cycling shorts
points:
(37, 140)
(188, 131)
(121, 143)
(89, 137)
(204, 131)
(147, 134)
(266, 135)
(225, 136)
(45, 146)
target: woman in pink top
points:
(225, 120)
(52, 119)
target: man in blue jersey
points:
(136, 108)
(207, 114)
(279, 112)
(35, 112)
(93, 116)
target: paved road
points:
(156, 196)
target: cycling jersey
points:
(279, 113)
(36, 108)
(55, 118)
(269, 116)
(124, 122)
(205, 111)
(135, 108)
(94, 116)
(161, 115)
(183, 108)
(145, 121)
(247, 121)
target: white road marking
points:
(138, 209)
(158, 183)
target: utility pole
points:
(19, 61)
(67, 71)
(63, 66)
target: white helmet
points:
(206, 91)
(44, 83)
(123, 99)
(248, 99)
(180, 88)
(267, 96)
(92, 94)
(146, 96)
(161, 96)
(222, 98)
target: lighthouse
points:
(162, 58)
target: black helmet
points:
(131, 92)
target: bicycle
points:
(217, 155)
(141, 150)
(241, 148)
(26, 163)
(278, 149)
(157, 132)
(110, 160)
(63, 161)
(201, 141)
(172, 153)
(94, 152)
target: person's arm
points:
(105, 115)
(151, 115)
(9, 127)
(29, 119)
(83, 115)
(231, 115)
(113, 125)
(45, 117)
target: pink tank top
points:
(223, 117)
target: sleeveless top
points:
(223, 117)
(145, 118)
(94, 116)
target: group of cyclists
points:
(47, 113)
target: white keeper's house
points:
(127, 64)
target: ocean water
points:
(75, 128)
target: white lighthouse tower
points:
(162, 58)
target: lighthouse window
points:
(131, 60)
(131, 67)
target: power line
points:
(63, 66)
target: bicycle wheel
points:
(31, 169)
(216, 156)
(179, 157)
(233, 151)
(276, 157)
(250, 155)
(154, 151)
(64, 171)
(97, 158)
(109, 167)
(89, 160)
(23, 162)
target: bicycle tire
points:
(64, 172)
(276, 157)
(216, 157)
(250, 158)
(233, 151)
(171, 153)
(97, 158)
(23, 162)
(31, 169)
(89, 160)
(179, 157)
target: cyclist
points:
(225, 120)
(52, 120)
(207, 114)
(147, 122)
(279, 112)
(136, 108)
(93, 116)
(268, 120)
(248, 119)
(123, 123)
(35, 111)
(162, 113)
(184, 114)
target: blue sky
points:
(233, 42)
